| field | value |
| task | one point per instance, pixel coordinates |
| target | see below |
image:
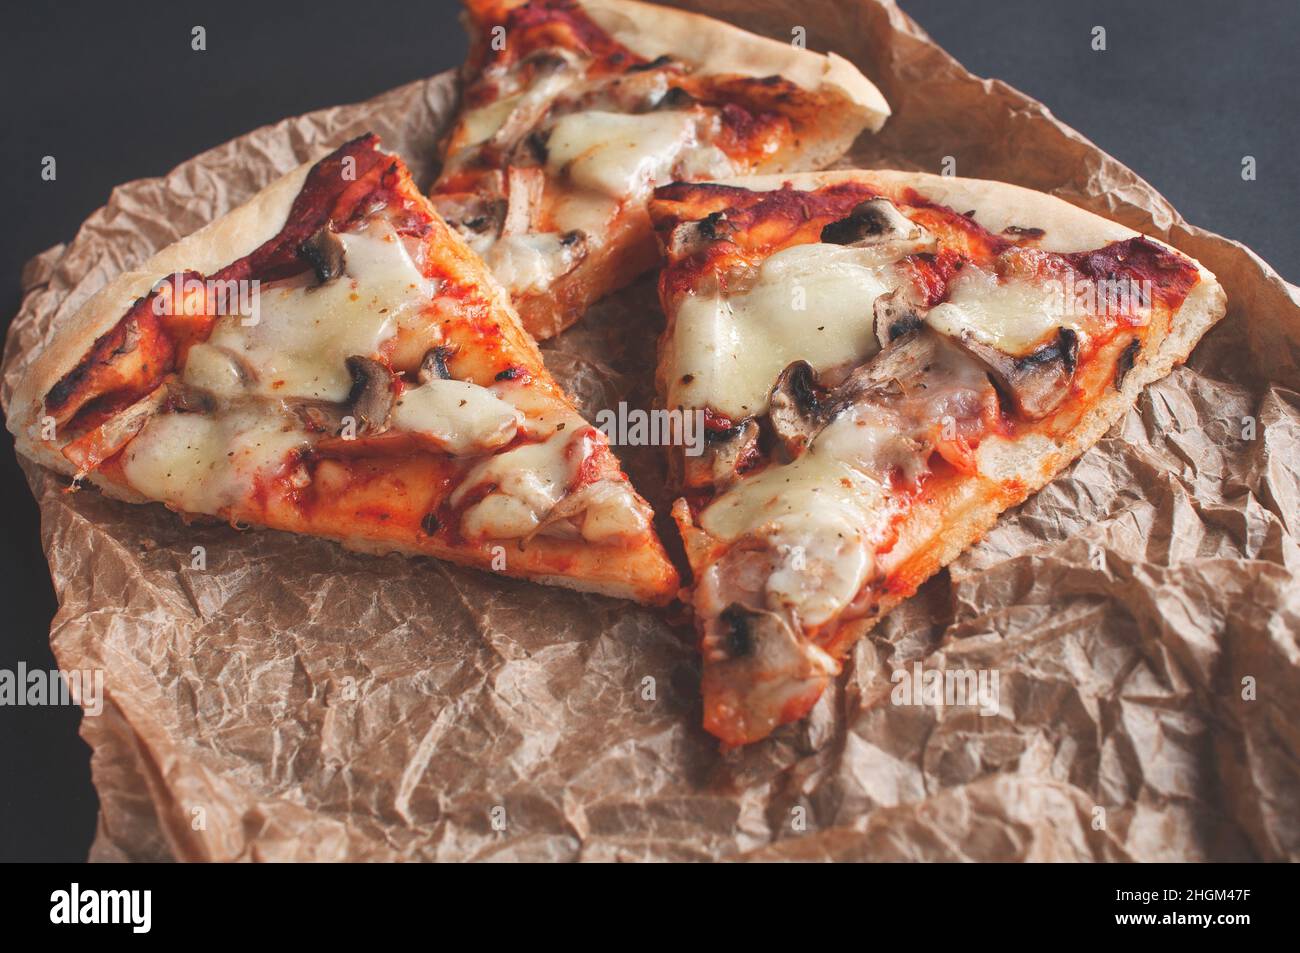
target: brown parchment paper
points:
(295, 701)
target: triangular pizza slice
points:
(885, 362)
(572, 110)
(331, 359)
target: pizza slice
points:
(885, 362)
(572, 110)
(331, 359)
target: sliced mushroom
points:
(895, 315)
(434, 364)
(730, 451)
(724, 458)
(372, 395)
(552, 68)
(1037, 383)
(478, 215)
(523, 200)
(317, 416)
(325, 252)
(799, 408)
(691, 237)
(795, 409)
(675, 98)
(1127, 358)
(878, 222)
(661, 61)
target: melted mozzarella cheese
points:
(872, 443)
(617, 154)
(611, 512)
(204, 464)
(816, 515)
(304, 334)
(1012, 315)
(528, 481)
(481, 124)
(585, 211)
(527, 262)
(822, 515)
(704, 163)
(215, 369)
(809, 302)
(459, 416)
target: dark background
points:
(114, 92)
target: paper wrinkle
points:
(298, 702)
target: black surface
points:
(1184, 91)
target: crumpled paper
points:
(294, 701)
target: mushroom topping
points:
(217, 370)
(434, 364)
(317, 416)
(895, 371)
(1127, 358)
(795, 410)
(1037, 383)
(372, 395)
(799, 408)
(324, 252)
(877, 222)
(730, 451)
(523, 199)
(688, 238)
(675, 98)
(895, 316)
(478, 216)
(552, 70)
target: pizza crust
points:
(650, 30)
(229, 238)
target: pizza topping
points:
(372, 394)
(523, 200)
(525, 483)
(758, 673)
(812, 518)
(808, 302)
(459, 417)
(795, 412)
(689, 238)
(598, 512)
(895, 315)
(820, 517)
(433, 366)
(617, 154)
(1037, 383)
(524, 262)
(1014, 314)
(878, 221)
(94, 447)
(200, 463)
(1126, 360)
(217, 370)
(302, 333)
(325, 251)
(728, 455)
(555, 69)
